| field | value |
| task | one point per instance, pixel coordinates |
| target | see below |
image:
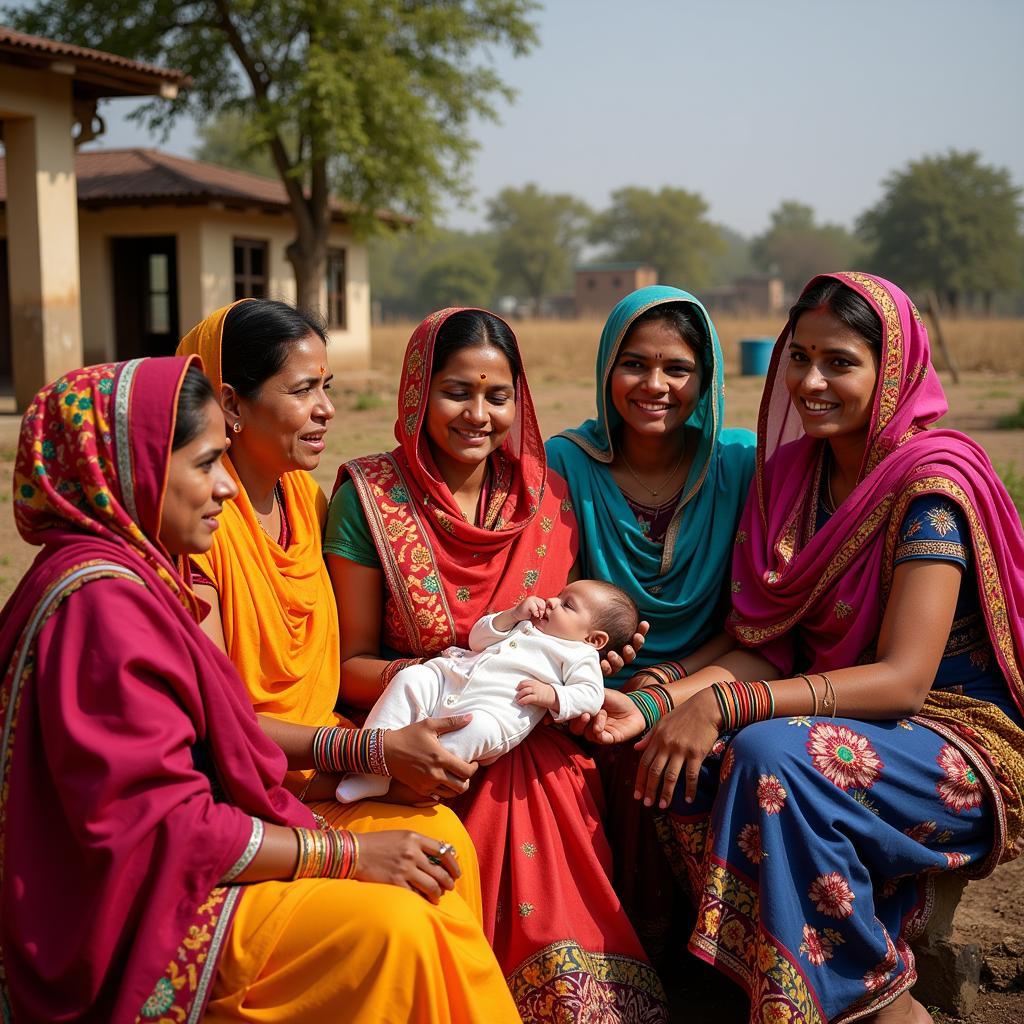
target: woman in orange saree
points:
(273, 607)
(462, 517)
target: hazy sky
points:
(745, 102)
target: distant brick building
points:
(755, 294)
(601, 285)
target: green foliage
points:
(368, 99)
(1013, 420)
(668, 230)
(733, 261)
(227, 139)
(457, 279)
(797, 248)
(538, 235)
(399, 263)
(950, 223)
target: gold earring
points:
(236, 427)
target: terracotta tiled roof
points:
(94, 68)
(122, 177)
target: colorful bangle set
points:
(326, 853)
(664, 673)
(744, 703)
(653, 702)
(349, 750)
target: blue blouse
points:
(934, 527)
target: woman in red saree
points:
(461, 518)
(153, 867)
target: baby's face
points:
(573, 615)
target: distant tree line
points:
(946, 224)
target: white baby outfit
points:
(483, 681)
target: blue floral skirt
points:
(809, 853)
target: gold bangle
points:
(814, 693)
(830, 691)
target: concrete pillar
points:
(42, 240)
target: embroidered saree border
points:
(756, 635)
(405, 554)
(181, 992)
(566, 976)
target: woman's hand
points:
(618, 720)
(613, 661)
(408, 860)
(677, 745)
(416, 758)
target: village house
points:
(113, 254)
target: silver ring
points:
(446, 848)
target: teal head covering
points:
(678, 585)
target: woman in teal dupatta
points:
(658, 486)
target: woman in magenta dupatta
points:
(395, 529)
(877, 586)
(95, 906)
(139, 791)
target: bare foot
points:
(904, 1009)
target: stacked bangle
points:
(653, 702)
(744, 703)
(664, 673)
(349, 750)
(326, 853)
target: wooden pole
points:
(947, 356)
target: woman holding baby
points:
(463, 518)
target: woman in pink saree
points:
(867, 734)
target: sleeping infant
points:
(543, 655)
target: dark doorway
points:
(145, 296)
(6, 376)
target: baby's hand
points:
(532, 692)
(531, 608)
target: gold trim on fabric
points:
(889, 383)
(393, 523)
(923, 548)
(551, 968)
(756, 635)
(990, 587)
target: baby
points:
(541, 656)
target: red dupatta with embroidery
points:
(442, 571)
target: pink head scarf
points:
(832, 585)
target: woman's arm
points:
(359, 594)
(213, 624)
(406, 859)
(912, 638)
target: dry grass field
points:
(559, 360)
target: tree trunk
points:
(308, 257)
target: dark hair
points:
(474, 328)
(195, 394)
(255, 342)
(844, 303)
(619, 615)
(688, 324)
(680, 316)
